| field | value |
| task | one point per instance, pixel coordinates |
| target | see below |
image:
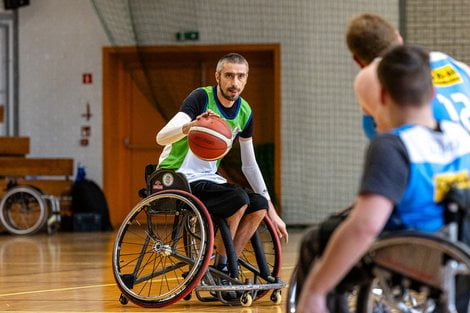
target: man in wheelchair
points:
(242, 209)
(398, 185)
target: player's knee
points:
(259, 202)
(241, 198)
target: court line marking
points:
(56, 289)
(74, 288)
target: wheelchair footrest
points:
(241, 287)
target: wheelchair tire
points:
(411, 295)
(23, 210)
(269, 255)
(292, 294)
(163, 248)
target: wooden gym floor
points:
(71, 272)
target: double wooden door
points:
(142, 90)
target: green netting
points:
(440, 26)
(321, 139)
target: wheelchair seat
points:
(158, 179)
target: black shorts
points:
(224, 200)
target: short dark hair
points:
(369, 35)
(405, 73)
(231, 58)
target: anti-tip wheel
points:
(123, 300)
(246, 299)
(276, 297)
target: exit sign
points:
(190, 36)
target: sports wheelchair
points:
(409, 271)
(24, 210)
(164, 249)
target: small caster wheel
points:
(276, 297)
(123, 300)
(188, 296)
(246, 299)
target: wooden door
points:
(131, 120)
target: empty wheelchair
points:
(163, 251)
(410, 271)
(25, 210)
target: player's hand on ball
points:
(208, 113)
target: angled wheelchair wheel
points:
(410, 275)
(163, 248)
(23, 210)
(260, 261)
(374, 297)
(292, 292)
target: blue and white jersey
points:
(435, 158)
(452, 99)
(452, 83)
(413, 166)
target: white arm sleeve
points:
(251, 169)
(173, 130)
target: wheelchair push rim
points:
(163, 248)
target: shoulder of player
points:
(365, 76)
(386, 145)
(367, 87)
(436, 56)
(195, 103)
(199, 93)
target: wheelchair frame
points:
(411, 271)
(164, 247)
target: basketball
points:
(210, 138)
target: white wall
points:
(322, 143)
(60, 40)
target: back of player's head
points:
(231, 58)
(369, 35)
(405, 73)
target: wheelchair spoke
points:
(131, 261)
